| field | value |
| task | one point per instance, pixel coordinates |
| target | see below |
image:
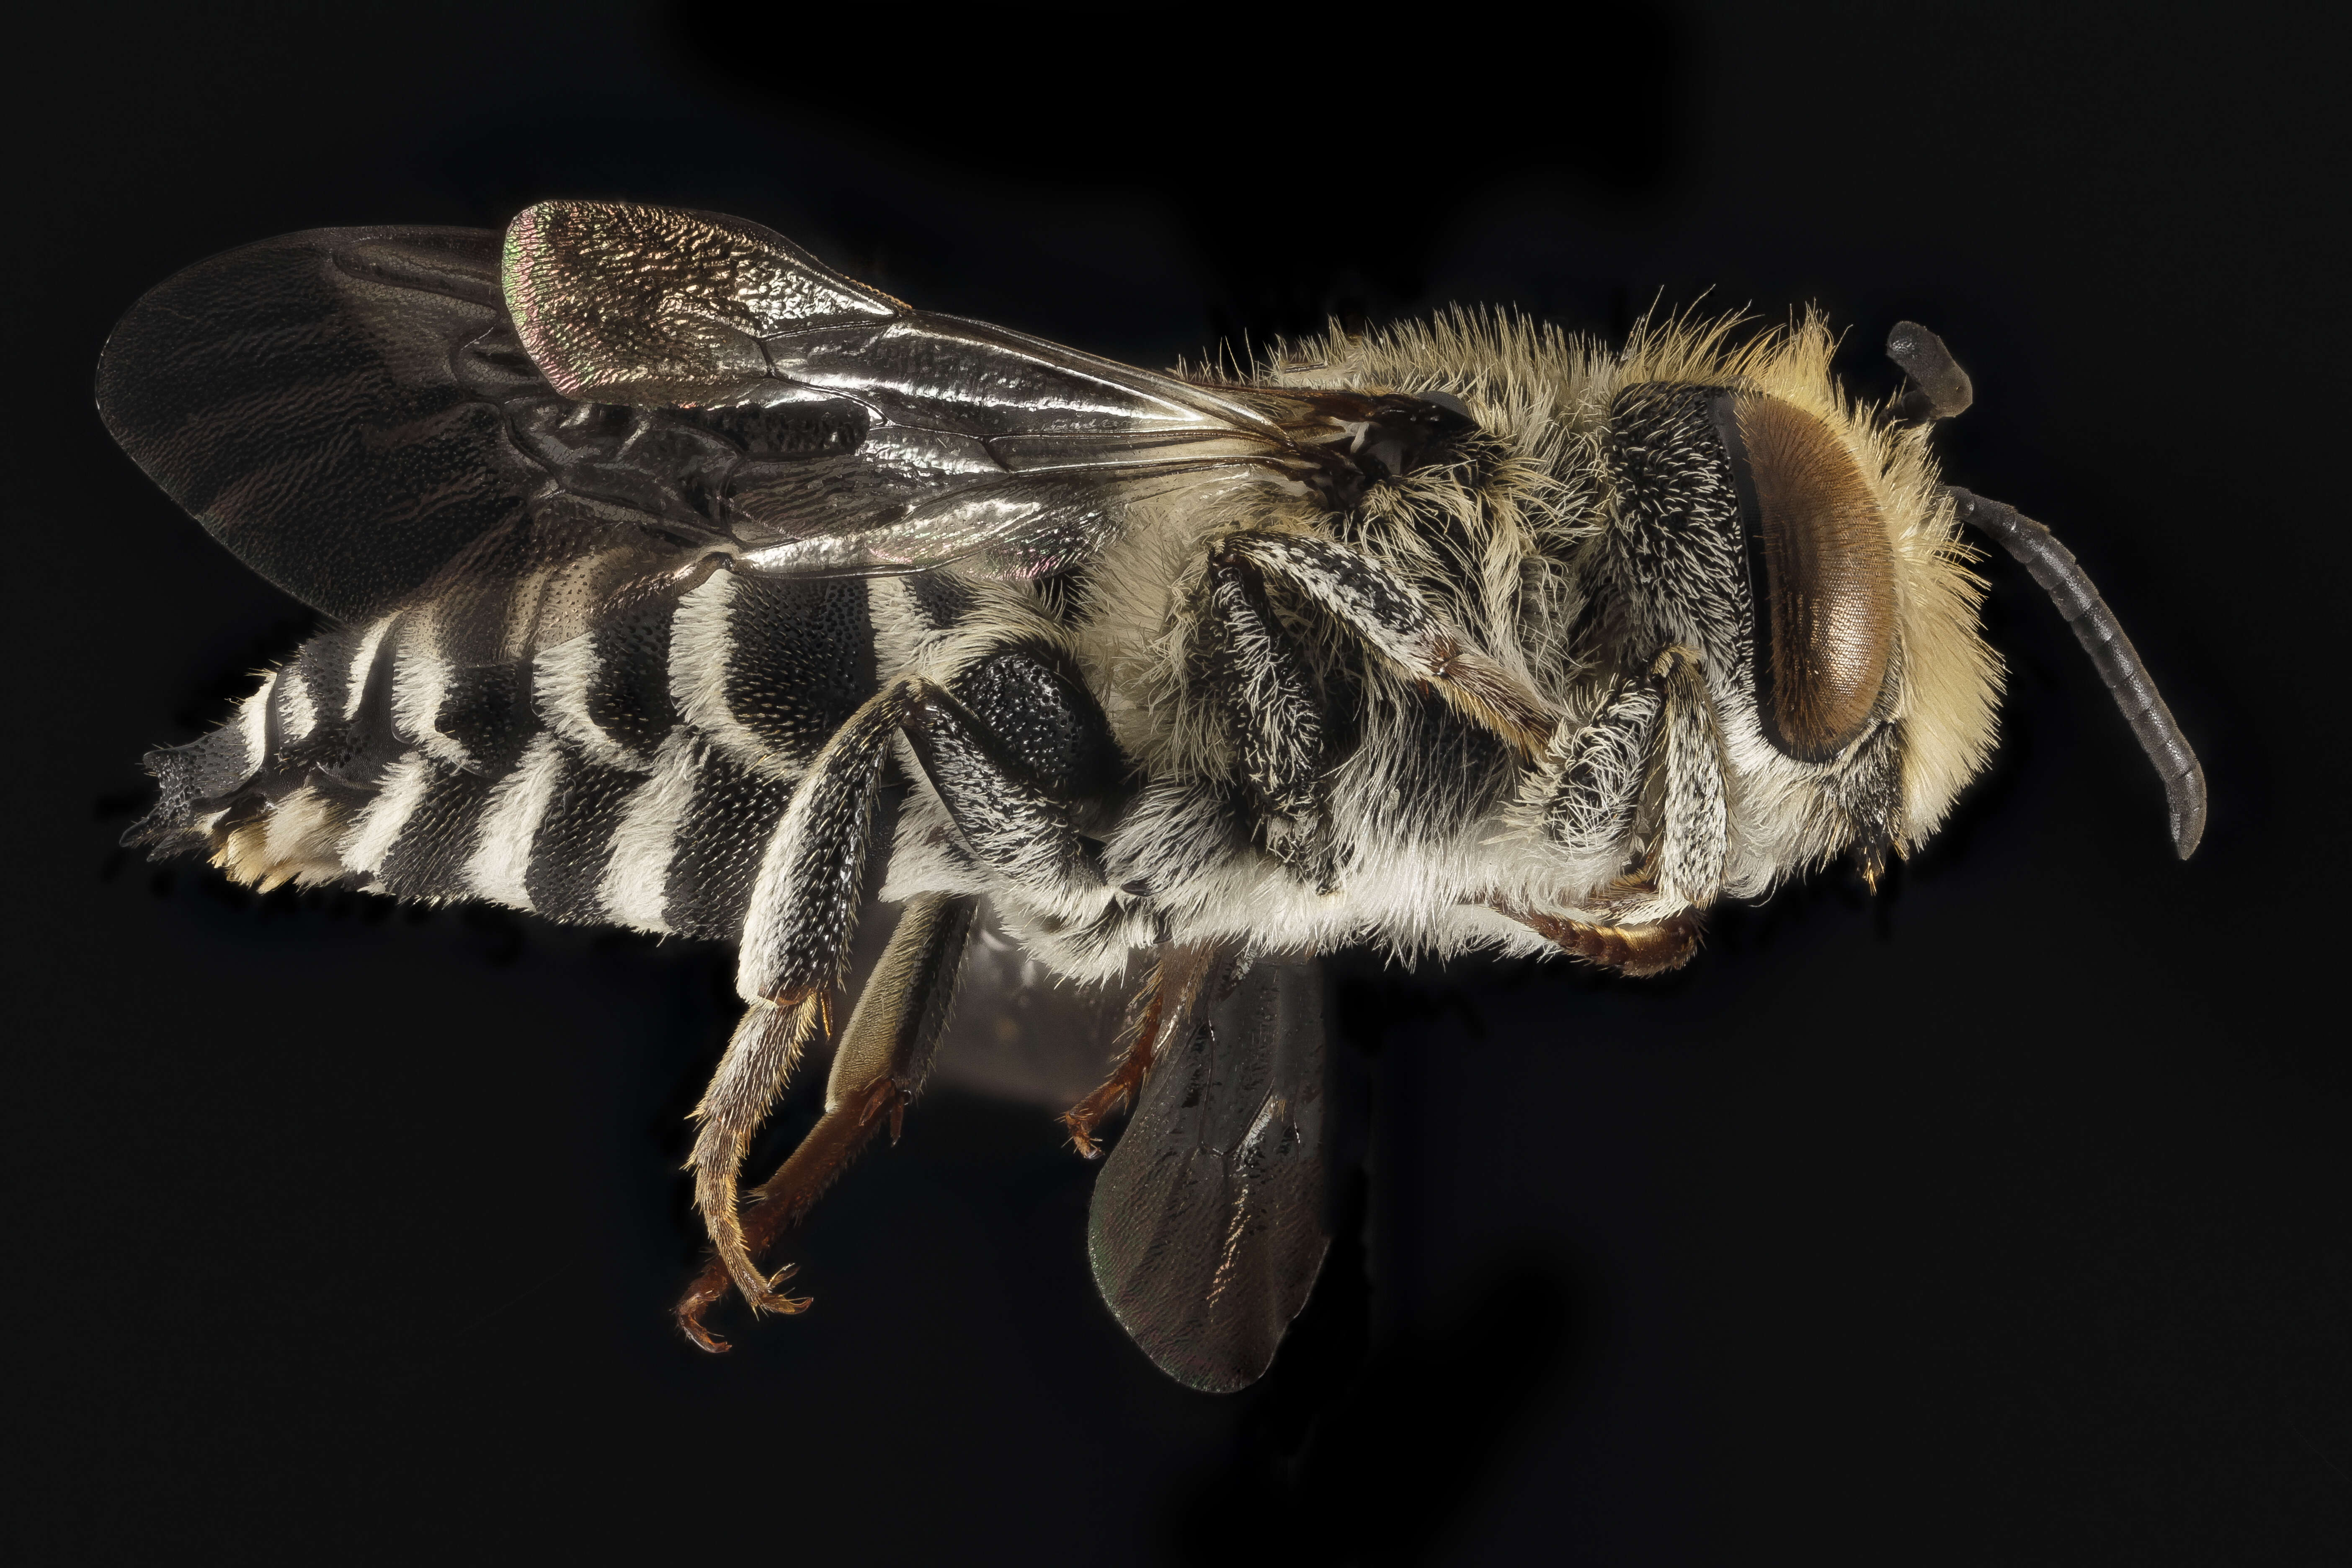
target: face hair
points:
(1465, 634)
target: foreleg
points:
(1639, 951)
(1693, 838)
(1665, 722)
(1586, 804)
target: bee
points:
(674, 581)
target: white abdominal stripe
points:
(500, 867)
(635, 886)
(381, 823)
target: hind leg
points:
(795, 941)
(1005, 806)
(880, 1066)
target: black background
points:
(1997, 1220)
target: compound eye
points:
(1824, 574)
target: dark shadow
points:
(1373, 1461)
(1304, 164)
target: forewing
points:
(351, 412)
(320, 404)
(973, 438)
(357, 411)
(1209, 1224)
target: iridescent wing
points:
(613, 394)
(1209, 1222)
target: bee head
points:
(1801, 546)
(1805, 547)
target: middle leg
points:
(1273, 716)
(1167, 1008)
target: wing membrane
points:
(299, 399)
(351, 411)
(1208, 1225)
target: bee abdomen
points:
(573, 847)
(676, 849)
(632, 774)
